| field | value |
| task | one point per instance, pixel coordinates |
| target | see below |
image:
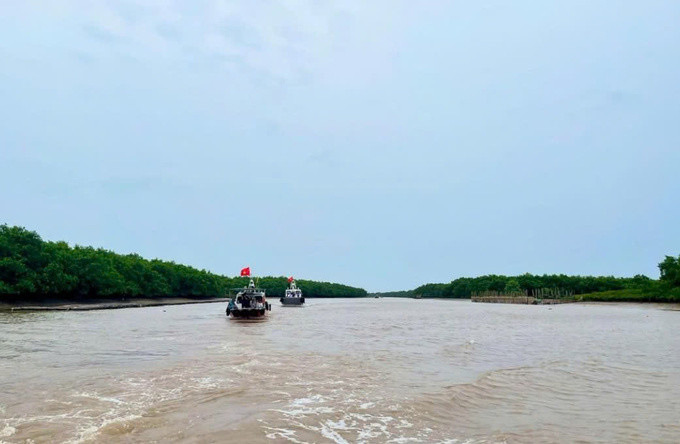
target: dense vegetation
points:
(464, 287)
(666, 289)
(393, 294)
(276, 287)
(33, 270)
(670, 271)
(604, 288)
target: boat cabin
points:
(293, 291)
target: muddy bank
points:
(103, 304)
(670, 306)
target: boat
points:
(293, 295)
(249, 302)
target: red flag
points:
(245, 272)
(290, 279)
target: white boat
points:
(293, 295)
(249, 302)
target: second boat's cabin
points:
(293, 293)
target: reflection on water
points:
(370, 370)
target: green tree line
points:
(667, 288)
(464, 287)
(32, 269)
(393, 294)
(276, 287)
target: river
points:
(344, 370)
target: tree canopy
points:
(32, 269)
(670, 270)
(464, 287)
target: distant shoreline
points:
(112, 304)
(632, 295)
(57, 305)
(104, 304)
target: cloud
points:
(323, 157)
(101, 34)
(83, 57)
(285, 40)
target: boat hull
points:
(248, 313)
(292, 301)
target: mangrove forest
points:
(639, 288)
(33, 270)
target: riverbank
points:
(525, 300)
(632, 295)
(104, 304)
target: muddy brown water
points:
(368, 370)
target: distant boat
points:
(249, 302)
(417, 296)
(293, 295)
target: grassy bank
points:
(633, 295)
(614, 296)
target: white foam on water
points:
(245, 367)
(346, 421)
(376, 429)
(280, 392)
(403, 439)
(306, 411)
(90, 432)
(404, 424)
(10, 430)
(46, 418)
(369, 432)
(346, 415)
(331, 434)
(57, 401)
(137, 395)
(310, 400)
(337, 425)
(94, 395)
(7, 431)
(467, 441)
(306, 406)
(286, 434)
(208, 383)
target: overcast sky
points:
(382, 144)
